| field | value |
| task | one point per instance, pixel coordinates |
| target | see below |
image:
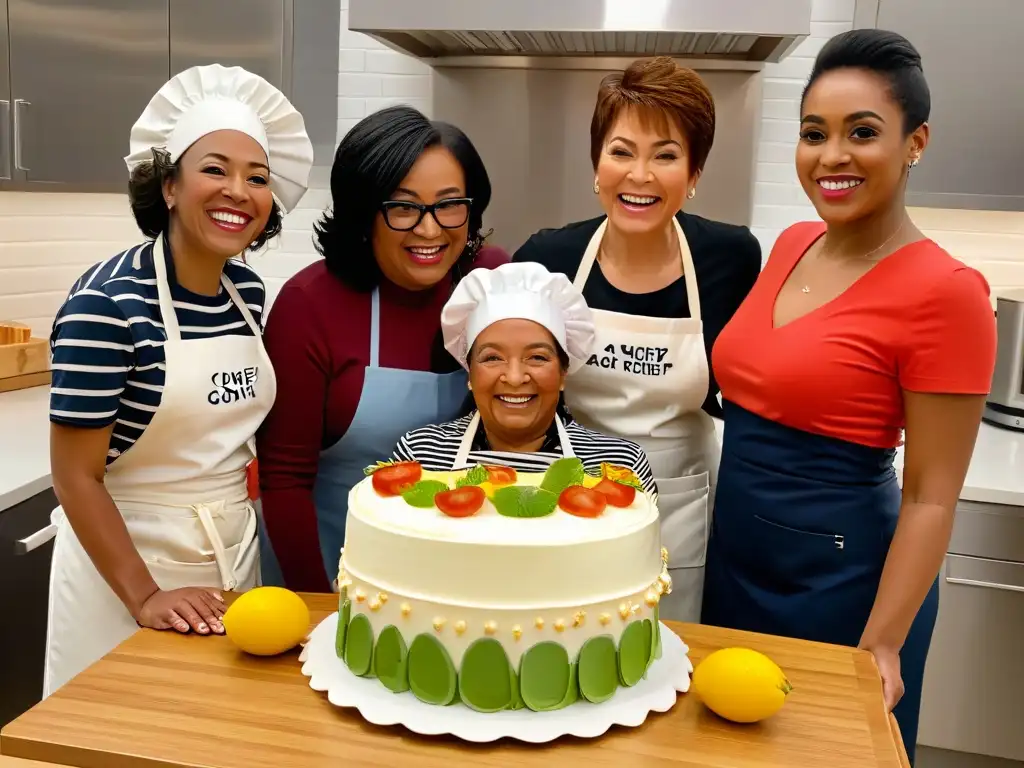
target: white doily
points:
(657, 692)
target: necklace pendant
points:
(805, 289)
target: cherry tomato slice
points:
(618, 495)
(461, 502)
(582, 502)
(395, 478)
(498, 475)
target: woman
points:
(662, 284)
(858, 327)
(518, 330)
(356, 338)
(160, 378)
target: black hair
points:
(887, 54)
(369, 164)
(146, 197)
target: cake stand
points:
(665, 679)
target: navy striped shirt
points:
(107, 340)
(435, 446)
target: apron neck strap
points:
(163, 289)
(163, 292)
(375, 328)
(465, 445)
(594, 246)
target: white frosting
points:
(489, 561)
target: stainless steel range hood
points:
(737, 31)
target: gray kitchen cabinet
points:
(79, 76)
(26, 548)
(974, 61)
(6, 160)
(260, 39)
(975, 671)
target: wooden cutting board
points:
(163, 700)
(26, 364)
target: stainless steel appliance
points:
(1005, 406)
(971, 701)
(521, 79)
(76, 74)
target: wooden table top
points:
(162, 700)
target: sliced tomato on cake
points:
(392, 479)
(617, 494)
(499, 475)
(461, 502)
(582, 502)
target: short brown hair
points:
(657, 88)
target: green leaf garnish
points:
(561, 474)
(476, 476)
(422, 494)
(374, 467)
(632, 482)
(524, 501)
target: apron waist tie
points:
(227, 572)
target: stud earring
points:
(914, 161)
(691, 194)
(597, 187)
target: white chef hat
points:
(211, 98)
(518, 290)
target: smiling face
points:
(853, 153)
(420, 257)
(220, 199)
(643, 172)
(516, 377)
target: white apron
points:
(181, 490)
(462, 455)
(647, 381)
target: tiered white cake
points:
(500, 590)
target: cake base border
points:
(629, 707)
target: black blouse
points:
(726, 260)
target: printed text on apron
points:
(647, 381)
(180, 488)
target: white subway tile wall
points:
(991, 241)
(47, 240)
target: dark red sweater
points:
(318, 338)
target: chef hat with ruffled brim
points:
(522, 291)
(211, 98)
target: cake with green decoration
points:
(501, 590)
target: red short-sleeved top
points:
(919, 320)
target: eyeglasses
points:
(402, 215)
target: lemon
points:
(266, 621)
(741, 685)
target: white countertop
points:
(996, 475)
(24, 444)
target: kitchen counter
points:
(24, 444)
(165, 700)
(996, 474)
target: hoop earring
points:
(691, 194)
(597, 187)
